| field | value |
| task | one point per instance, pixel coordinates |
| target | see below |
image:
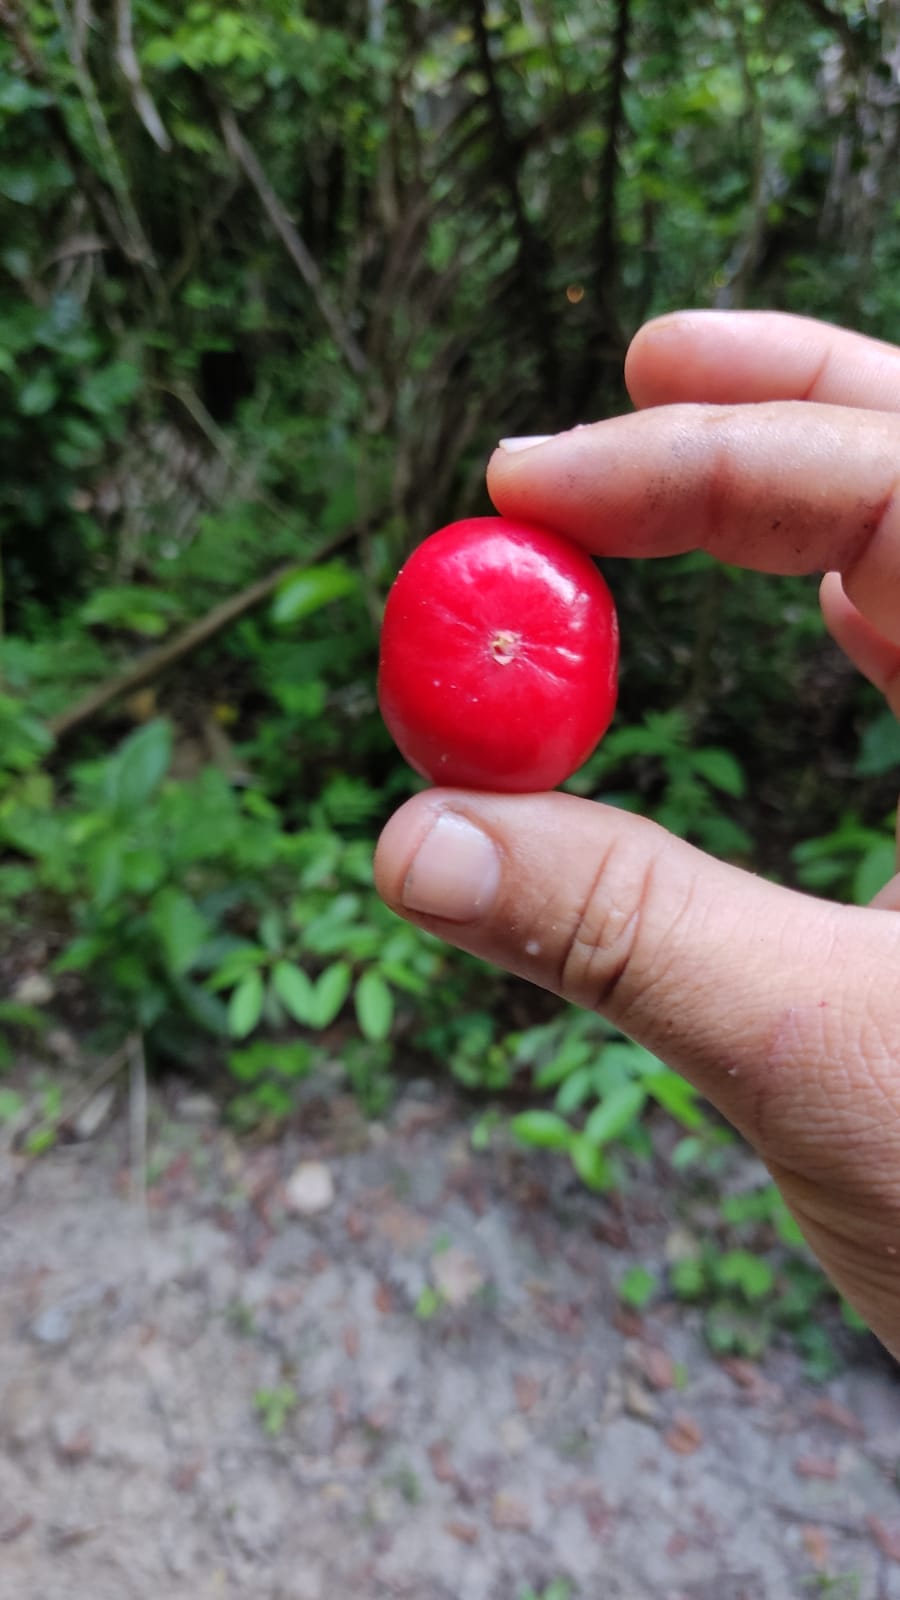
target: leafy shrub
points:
(190, 905)
(602, 1085)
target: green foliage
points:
(637, 1287)
(274, 1408)
(11, 1105)
(137, 608)
(192, 906)
(834, 1586)
(756, 1291)
(852, 861)
(686, 781)
(310, 588)
(429, 1303)
(601, 1085)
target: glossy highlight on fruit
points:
(499, 657)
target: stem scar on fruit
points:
(496, 592)
(505, 647)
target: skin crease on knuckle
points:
(737, 452)
(606, 926)
(625, 931)
(872, 577)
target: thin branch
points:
(839, 24)
(224, 448)
(106, 1072)
(607, 251)
(82, 21)
(213, 213)
(94, 193)
(733, 292)
(137, 1124)
(246, 157)
(606, 323)
(530, 248)
(130, 68)
(140, 246)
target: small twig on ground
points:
(108, 1069)
(137, 1123)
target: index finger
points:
(730, 357)
(781, 487)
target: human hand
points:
(774, 443)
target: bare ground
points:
(424, 1389)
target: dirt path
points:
(455, 1408)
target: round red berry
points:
(499, 656)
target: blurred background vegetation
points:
(274, 277)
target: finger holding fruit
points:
(774, 443)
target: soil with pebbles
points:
(364, 1360)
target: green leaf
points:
(331, 991)
(542, 1128)
(676, 1096)
(138, 768)
(637, 1287)
(181, 929)
(104, 862)
(577, 1088)
(574, 1053)
(81, 953)
(40, 1141)
(309, 589)
(151, 1002)
(786, 1225)
(264, 1058)
(296, 992)
(107, 389)
(39, 395)
(428, 1304)
(403, 978)
(236, 963)
(292, 1061)
(11, 1104)
(629, 1060)
(879, 750)
(245, 1005)
(876, 868)
(615, 1114)
(749, 1274)
(271, 930)
(719, 768)
(142, 870)
(202, 1007)
(591, 1165)
(374, 1005)
(732, 1329)
(141, 609)
(689, 1279)
(18, 1014)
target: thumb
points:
(771, 1002)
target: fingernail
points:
(526, 442)
(455, 873)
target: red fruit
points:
(499, 656)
